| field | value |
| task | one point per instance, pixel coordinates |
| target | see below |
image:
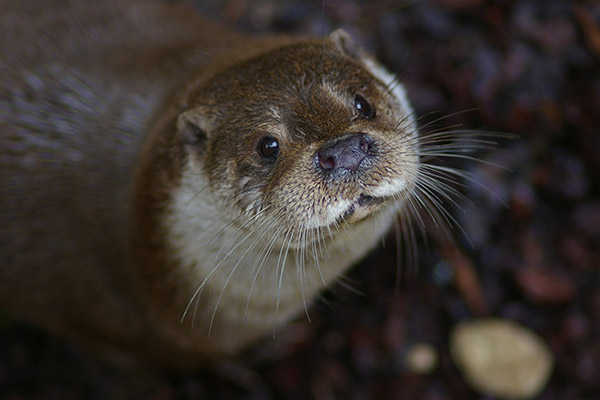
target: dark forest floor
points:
(530, 68)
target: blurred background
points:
(529, 250)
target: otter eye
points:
(364, 108)
(268, 147)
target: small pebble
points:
(421, 358)
(501, 358)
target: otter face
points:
(302, 153)
(314, 136)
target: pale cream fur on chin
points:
(331, 214)
(388, 188)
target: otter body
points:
(173, 191)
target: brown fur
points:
(108, 110)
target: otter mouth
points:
(364, 206)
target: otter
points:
(171, 190)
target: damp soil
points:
(525, 246)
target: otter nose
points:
(345, 153)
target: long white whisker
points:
(235, 267)
(211, 272)
(281, 268)
(301, 270)
(269, 248)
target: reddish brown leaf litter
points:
(526, 67)
(467, 282)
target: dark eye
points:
(364, 108)
(268, 147)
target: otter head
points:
(312, 136)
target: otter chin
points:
(363, 207)
(175, 202)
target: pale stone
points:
(500, 357)
(421, 358)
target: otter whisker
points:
(238, 242)
(300, 268)
(236, 219)
(193, 197)
(239, 230)
(442, 118)
(316, 256)
(427, 195)
(458, 156)
(405, 239)
(281, 267)
(268, 248)
(441, 210)
(460, 141)
(438, 182)
(319, 244)
(413, 114)
(446, 173)
(211, 272)
(417, 202)
(438, 188)
(235, 267)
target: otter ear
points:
(344, 42)
(193, 127)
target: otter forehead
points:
(313, 110)
(284, 71)
(298, 64)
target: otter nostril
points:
(365, 144)
(346, 153)
(326, 162)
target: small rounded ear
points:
(193, 127)
(344, 42)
